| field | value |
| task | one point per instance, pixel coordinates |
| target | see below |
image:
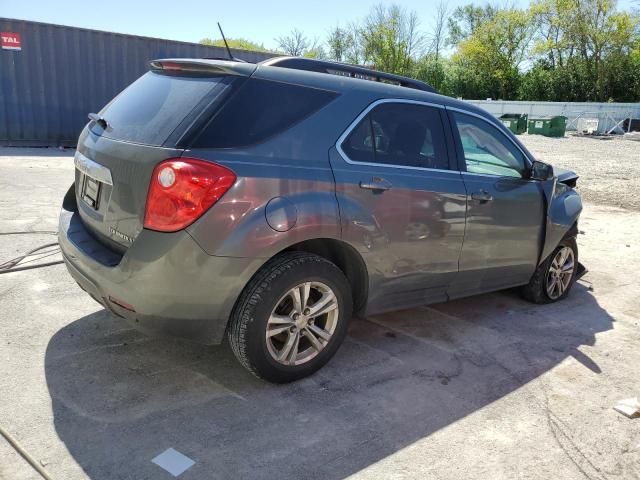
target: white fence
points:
(610, 115)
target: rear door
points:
(505, 210)
(115, 160)
(401, 204)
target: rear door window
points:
(358, 146)
(399, 134)
(259, 110)
(151, 108)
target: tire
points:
(537, 289)
(268, 305)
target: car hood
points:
(568, 177)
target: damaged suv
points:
(267, 203)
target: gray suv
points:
(267, 203)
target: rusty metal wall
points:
(62, 73)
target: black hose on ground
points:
(14, 261)
(29, 232)
(19, 269)
(12, 265)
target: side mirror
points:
(541, 171)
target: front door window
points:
(487, 150)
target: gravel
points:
(609, 168)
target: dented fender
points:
(564, 206)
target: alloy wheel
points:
(560, 273)
(302, 323)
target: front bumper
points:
(174, 287)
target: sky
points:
(192, 20)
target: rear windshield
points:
(153, 106)
(260, 110)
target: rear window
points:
(151, 108)
(260, 110)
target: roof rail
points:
(346, 70)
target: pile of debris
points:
(629, 407)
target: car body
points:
(415, 197)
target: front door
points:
(505, 210)
(401, 204)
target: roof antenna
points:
(225, 43)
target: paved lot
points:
(486, 387)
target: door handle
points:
(482, 196)
(376, 184)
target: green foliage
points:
(390, 39)
(495, 49)
(588, 43)
(560, 50)
(382, 49)
(465, 20)
(339, 42)
(555, 50)
(316, 52)
(432, 70)
(239, 43)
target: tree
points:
(440, 30)
(390, 38)
(295, 43)
(315, 50)
(589, 37)
(354, 52)
(562, 50)
(467, 19)
(339, 44)
(239, 43)
(430, 68)
(495, 50)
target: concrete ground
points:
(487, 387)
(609, 167)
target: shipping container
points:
(52, 76)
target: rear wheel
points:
(291, 318)
(554, 277)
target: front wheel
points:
(291, 318)
(554, 277)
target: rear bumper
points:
(174, 287)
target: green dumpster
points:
(548, 126)
(516, 122)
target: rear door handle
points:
(482, 196)
(376, 184)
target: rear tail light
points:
(181, 190)
(175, 66)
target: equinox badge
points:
(120, 235)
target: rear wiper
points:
(99, 120)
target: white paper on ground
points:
(629, 407)
(173, 461)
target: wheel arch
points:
(562, 221)
(346, 258)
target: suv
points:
(270, 202)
